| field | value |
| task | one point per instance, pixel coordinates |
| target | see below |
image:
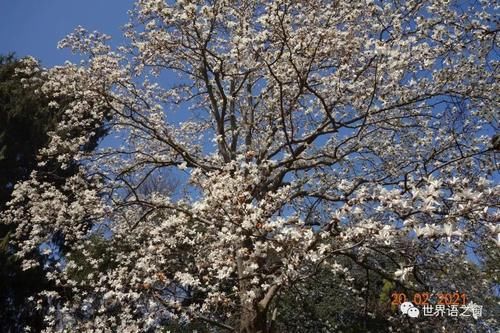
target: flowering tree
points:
(312, 136)
(25, 119)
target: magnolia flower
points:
(426, 231)
(497, 240)
(402, 274)
(449, 230)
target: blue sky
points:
(34, 27)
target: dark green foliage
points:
(16, 286)
(25, 120)
(324, 303)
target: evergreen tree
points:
(25, 119)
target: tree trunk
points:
(253, 321)
(253, 317)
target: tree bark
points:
(253, 321)
(254, 317)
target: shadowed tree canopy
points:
(25, 120)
